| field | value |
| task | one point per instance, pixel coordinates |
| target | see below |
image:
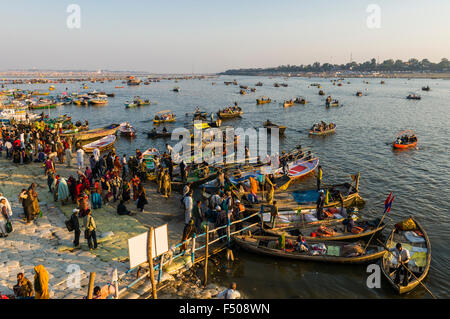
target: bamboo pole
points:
(150, 262)
(91, 285)
(206, 255)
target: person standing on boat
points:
(319, 177)
(273, 213)
(319, 205)
(402, 256)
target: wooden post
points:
(206, 255)
(91, 285)
(261, 217)
(116, 288)
(193, 249)
(150, 261)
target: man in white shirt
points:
(188, 206)
(96, 154)
(80, 158)
(402, 256)
(215, 200)
(8, 146)
(230, 293)
(169, 149)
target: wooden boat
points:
(300, 101)
(102, 144)
(332, 103)
(325, 132)
(164, 117)
(244, 87)
(306, 199)
(332, 231)
(270, 125)
(242, 92)
(39, 93)
(126, 129)
(321, 92)
(177, 89)
(288, 103)
(223, 115)
(419, 248)
(332, 252)
(159, 134)
(98, 101)
(413, 97)
(359, 93)
(96, 133)
(397, 145)
(43, 106)
(426, 88)
(259, 84)
(263, 101)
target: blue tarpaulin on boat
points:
(302, 197)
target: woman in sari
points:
(41, 283)
(34, 196)
(63, 191)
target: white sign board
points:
(138, 250)
(161, 240)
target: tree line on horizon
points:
(412, 65)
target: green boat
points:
(43, 106)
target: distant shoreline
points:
(415, 75)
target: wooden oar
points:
(428, 290)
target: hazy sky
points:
(184, 36)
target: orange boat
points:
(399, 144)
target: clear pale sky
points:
(184, 36)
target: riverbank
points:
(415, 75)
(46, 240)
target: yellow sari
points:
(41, 283)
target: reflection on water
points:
(365, 127)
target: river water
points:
(365, 126)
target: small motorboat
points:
(426, 88)
(359, 93)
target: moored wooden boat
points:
(102, 144)
(96, 133)
(330, 231)
(419, 248)
(332, 252)
(306, 199)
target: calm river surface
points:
(365, 126)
